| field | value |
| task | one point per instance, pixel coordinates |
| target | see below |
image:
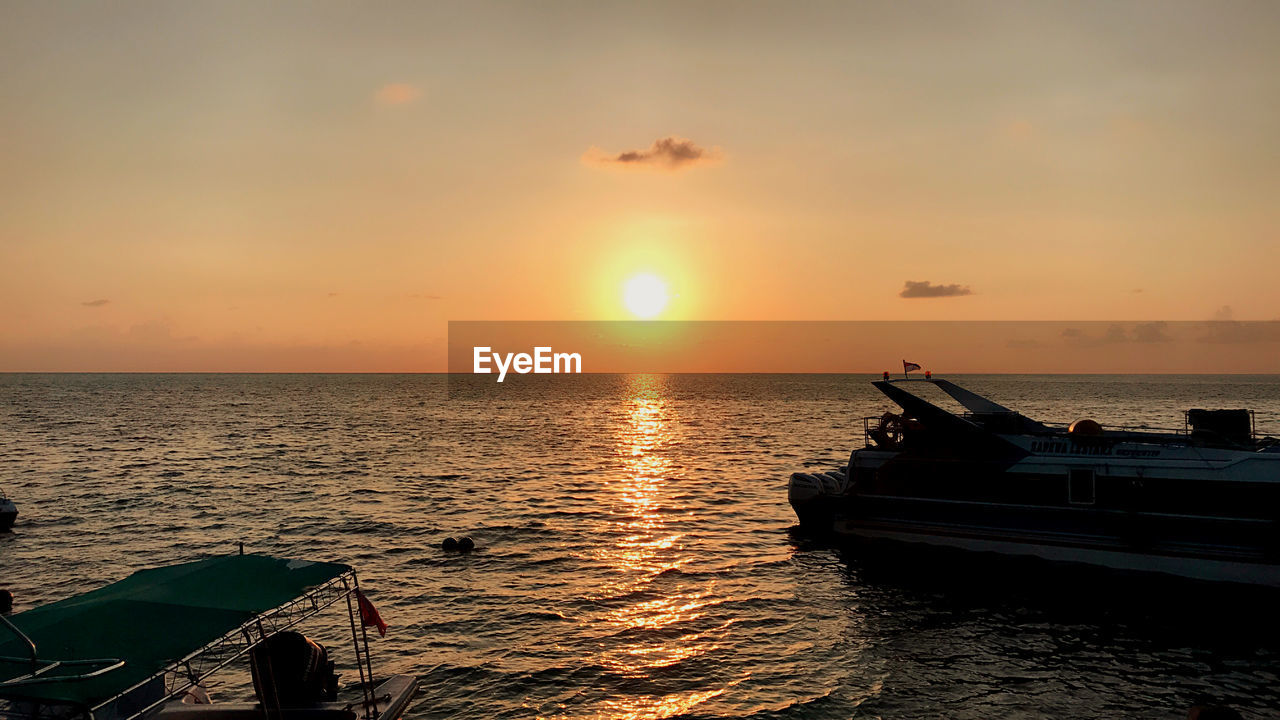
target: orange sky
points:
(229, 186)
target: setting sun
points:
(645, 295)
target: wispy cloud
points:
(1235, 331)
(926, 289)
(1023, 343)
(1075, 337)
(393, 94)
(1224, 328)
(95, 303)
(1146, 332)
(1151, 332)
(669, 153)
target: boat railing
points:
(189, 671)
(192, 669)
(869, 425)
(866, 429)
(1062, 426)
(43, 673)
(878, 431)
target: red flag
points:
(909, 366)
(369, 616)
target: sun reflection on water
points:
(644, 547)
(654, 708)
(650, 608)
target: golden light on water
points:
(650, 708)
(645, 547)
(645, 552)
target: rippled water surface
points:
(637, 557)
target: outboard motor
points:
(291, 670)
(813, 496)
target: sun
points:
(645, 295)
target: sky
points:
(323, 186)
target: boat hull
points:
(991, 510)
(390, 698)
(1243, 550)
(1190, 566)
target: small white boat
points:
(142, 648)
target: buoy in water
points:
(449, 544)
(466, 544)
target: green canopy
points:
(149, 620)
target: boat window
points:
(1080, 487)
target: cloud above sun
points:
(926, 289)
(393, 94)
(668, 153)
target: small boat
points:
(143, 647)
(8, 513)
(1202, 502)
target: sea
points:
(635, 553)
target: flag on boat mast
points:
(907, 367)
(369, 615)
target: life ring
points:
(888, 434)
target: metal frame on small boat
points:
(33, 688)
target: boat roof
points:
(149, 620)
(980, 433)
(971, 401)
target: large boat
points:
(1202, 502)
(144, 647)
